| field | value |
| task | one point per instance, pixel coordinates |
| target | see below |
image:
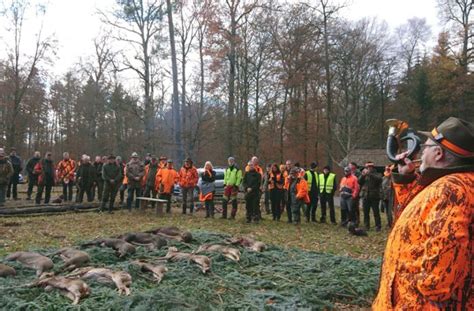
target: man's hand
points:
(364, 172)
(408, 167)
(249, 190)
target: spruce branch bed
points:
(276, 279)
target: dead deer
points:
(122, 247)
(72, 288)
(248, 243)
(32, 260)
(121, 279)
(173, 233)
(150, 241)
(6, 271)
(227, 251)
(203, 261)
(72, 258)
(158, 271)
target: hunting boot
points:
(168, 205)
(313, 213)
(111, 207)
(306, 209)
(208, 209)
(234, 209)
(102, 207)
(224, 209)
(191, 209)
(211, 207)
(344, 218)
(267, 204)
(184, 208)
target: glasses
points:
(423, 146)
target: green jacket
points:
(232, 176)
(111, 171)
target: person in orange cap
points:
(428, 262)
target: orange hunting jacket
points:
(302, 190)
(165, 180)
(188, 177)
(66, 169)
(428, 261)
(351, 183)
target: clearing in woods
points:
(312, 265)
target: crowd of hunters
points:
(279, 187)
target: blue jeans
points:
(130, 197)
(347, 210)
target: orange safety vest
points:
(257, 168)
(279, 184)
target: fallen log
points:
(92, 210)
(47, 209)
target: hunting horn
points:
(395, 140)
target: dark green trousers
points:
(110, 191)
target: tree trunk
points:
(328, 89)
(183, 99)
(256, 133)
(231, 104)
(175, 105)
(305, 123)
(282, 124)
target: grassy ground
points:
(49, 232)
(21, 233)
(275, 279)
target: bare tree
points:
(328, 12)
(359, 52)
(95, 70)
(186, 31)
(175, 105)
(137, 22)
(203, 13)
(412, 35)
(22, 66)
(459, 14)
(234, 11)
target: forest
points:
(209, 79)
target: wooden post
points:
(159, 208)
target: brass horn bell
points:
(395, 140)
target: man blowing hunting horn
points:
(428, 263)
